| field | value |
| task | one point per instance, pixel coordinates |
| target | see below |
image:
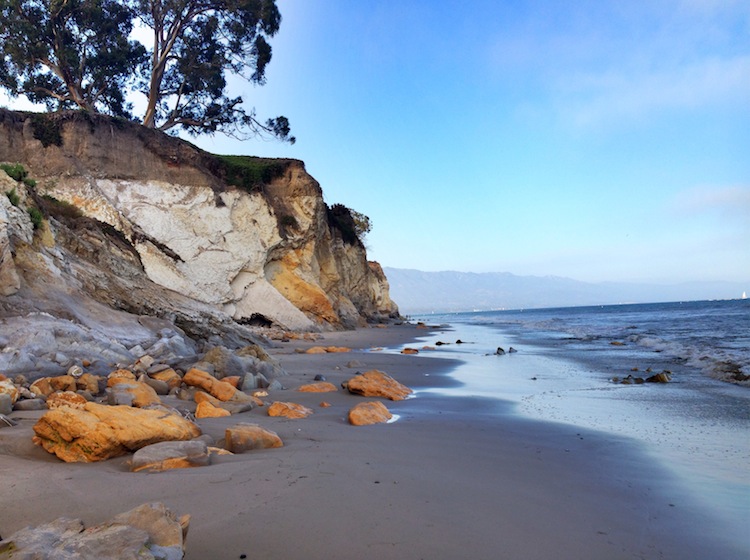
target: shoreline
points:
(453, 477)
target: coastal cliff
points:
(130, 220)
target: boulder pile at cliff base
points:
(90, 418)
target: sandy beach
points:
(453, 477)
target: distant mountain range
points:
(416, 291)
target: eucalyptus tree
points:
(69, 53)
(84, 53)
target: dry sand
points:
(453, 478)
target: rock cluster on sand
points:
(147, 532)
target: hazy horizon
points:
(416, 291)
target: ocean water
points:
(570, 364)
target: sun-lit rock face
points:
(266, 254)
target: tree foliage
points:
(79, 53)
(352, 225)
(69, 53)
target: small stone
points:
(30, 404)
(319, 377)
(410, 351)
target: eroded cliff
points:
(262, 251)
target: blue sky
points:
(599, 140)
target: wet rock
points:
(499, 352)
(512, 350)
(375, 383)
(410, 351)
(319, 377)
(662, 377)
(367, 413)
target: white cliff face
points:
(267, 254)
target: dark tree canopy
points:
(68, 53)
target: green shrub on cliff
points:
(13, 196)
(250, 173)
(36, 217)
(18, 172)
(352, 225)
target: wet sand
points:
(454, 477)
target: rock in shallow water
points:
(367, 413)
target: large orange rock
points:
(245, 437)
(337, 349)
(211, 385)
(371, 412)
(98, 432)
(315, 350)
(318, 387)
(289, 410)
(207, 410)
(375, 383)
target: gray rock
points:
(6, 404)
(148, 532)
(194, 451)
(354, 364)
(157, 385)
(275, 385)
(30, 404)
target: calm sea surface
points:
(570, 364)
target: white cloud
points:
(593, 99)
(727, 200)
